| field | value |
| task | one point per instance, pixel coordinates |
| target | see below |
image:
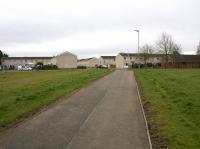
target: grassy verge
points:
(172, 101)
(21, 93)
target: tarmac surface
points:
(104, 115)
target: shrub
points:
(47, 67)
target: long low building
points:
(126, 59)
(64, 60)
(89, 62)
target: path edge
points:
(143, 113)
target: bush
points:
(40, 63)
(81, 67)
(46, 67)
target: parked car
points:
(103, 66)
(126, 66)
(24, 68)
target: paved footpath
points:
(103, 115)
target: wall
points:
(122, 61)
(22, 61)
(119, 61)
(91, 63)
(66, 60)
(107, 61)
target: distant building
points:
(127, 59)
(108, 60)
(181, 61)
(64, 60)
(186, 61)
(89, 62)
(7, 62)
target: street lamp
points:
(138, 39)
(137, 30)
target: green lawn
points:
(22, 93)
(174, 95)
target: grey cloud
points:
(38, 25)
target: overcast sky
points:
(94, 27)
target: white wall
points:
(66, 60)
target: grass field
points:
(21, 93)
(174, 97)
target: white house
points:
(64, 60)
(89, 62)
(125, 59)
(108, 60)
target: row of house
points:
(64, 60)
(123, 60)
(119, 61)
(69, 60)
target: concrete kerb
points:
(140, 100)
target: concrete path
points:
(104, 115)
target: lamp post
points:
(138, 31)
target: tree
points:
(2, 55)
(146, 50)
(168, 47)
(175, 53)
(198, 49)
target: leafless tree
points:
(198, 49)
(168, 48)
(146, 50)
(175, 53)
(2, 54)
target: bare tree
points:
(198, 49)
(2, 55)
(167, 47)
(146, 50)
(175, 53)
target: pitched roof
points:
(14, 58)
(66, 52)
(108, 57)
(128, 54)
(136, 54)
(86, 59)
